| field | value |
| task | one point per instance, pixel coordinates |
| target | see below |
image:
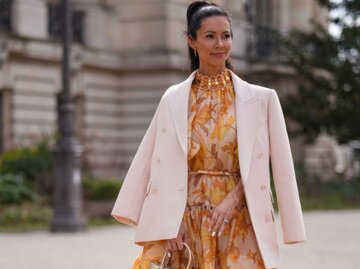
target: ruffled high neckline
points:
(215, 82)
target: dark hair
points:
(196, 12)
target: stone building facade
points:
(126, 53)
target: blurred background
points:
(122, 56)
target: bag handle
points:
(190, 254)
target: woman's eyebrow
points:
(213, 32)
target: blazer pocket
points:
(273, 214)
(148, 188)
(271, 206)
(271, 197)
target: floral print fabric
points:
(213, 172)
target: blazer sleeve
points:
(291, 217)
(128, 205)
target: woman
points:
(201, 173)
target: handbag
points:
(162, 265)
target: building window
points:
(5, 18)
(56, 23)
(263, 13)
(259, 12)
(263, 38)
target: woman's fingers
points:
(185, 237)
(179, 243)
(222, 227)
(213, 220)
(167, 246)
(173, 245)
(176, 244)
(217, 223)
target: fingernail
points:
(213, 233)
(219, 233)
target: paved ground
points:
(334, 242)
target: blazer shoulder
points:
(261, 90)
(169, 92)
(173, 89)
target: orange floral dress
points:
(213, 172)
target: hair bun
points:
(193, 7)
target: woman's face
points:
(213, 42)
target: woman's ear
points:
(191, 42)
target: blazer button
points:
(164, 130)
(153, 191)
(267, 218)
(263, 187)
(260, 155)
(158, 160)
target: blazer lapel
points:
(179, 108)
(246, 105)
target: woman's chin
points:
(218, 63)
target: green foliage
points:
(103, 221)
(35, 216)
(27, 215)
(13, 190)
(316, 194)
(335, 194)
(29, 162)
(101, 189)
(329, 67)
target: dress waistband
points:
(215, 173)
(196, 208)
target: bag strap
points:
(163, 259)
(190, 254)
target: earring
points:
(195, 52)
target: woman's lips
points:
(218, 54)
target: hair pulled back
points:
(196, 12)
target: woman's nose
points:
(219, 43)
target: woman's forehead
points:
(215, 24)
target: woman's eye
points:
(227, 36)
(209, 36)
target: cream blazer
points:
(154, 192)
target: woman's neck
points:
(211, 71)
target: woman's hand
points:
(177, 243)
(224, 211)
